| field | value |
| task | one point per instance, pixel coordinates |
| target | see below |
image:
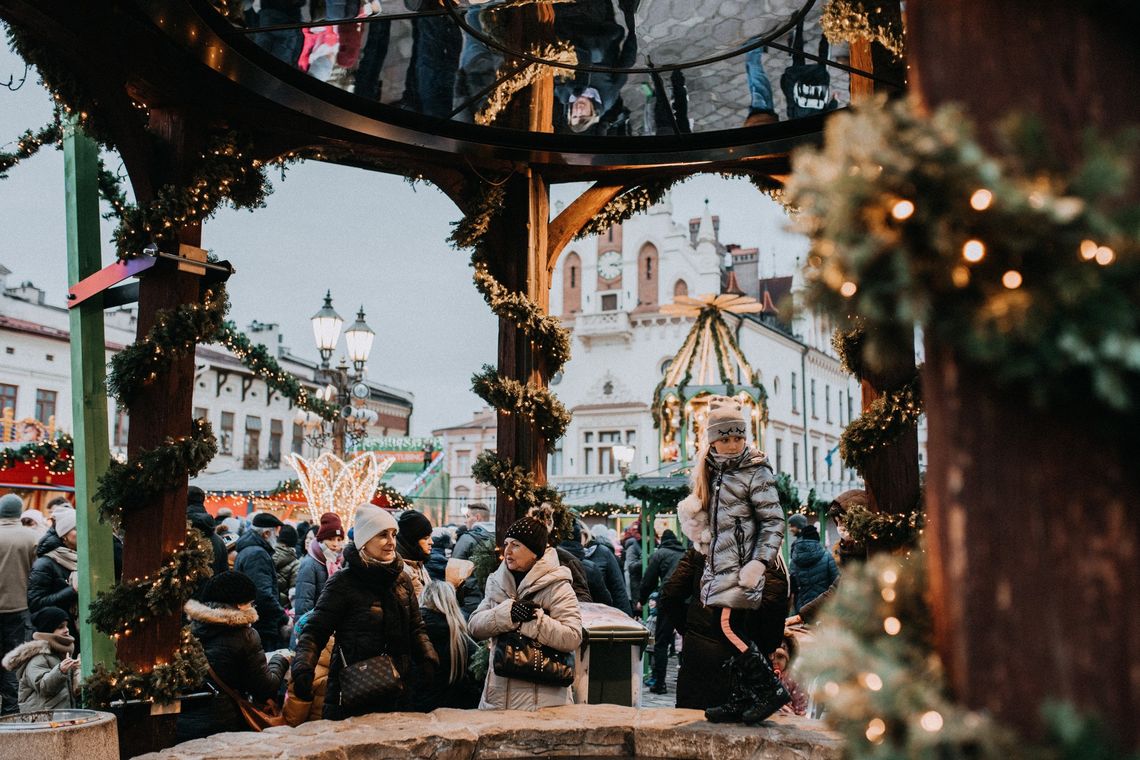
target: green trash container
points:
(609, 669)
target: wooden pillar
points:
(891, 472)
(1033, 542)
(88, 389)
(518, 240)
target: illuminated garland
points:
(57, 455)
(512, 397)
(605, 509)
(1030, 275)
(394, 498)
(163, 683)
(29, 143)
(867, 528)
(626, 205)
(521, 78)
(884, 422)
(116, 611)
(258, 360)
(513, 480)
(860, 21)
(660, 498)
(885, 690)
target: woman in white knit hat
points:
(735, 504)
(372, 609)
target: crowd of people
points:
(329, 622)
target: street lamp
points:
(326, 329)
(623, 455)
(358, 337)
(344, 387)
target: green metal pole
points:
(88, 388)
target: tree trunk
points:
(1034, 559)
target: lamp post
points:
(344, 386)
(623, 455)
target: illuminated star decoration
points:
(334, 485)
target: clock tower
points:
(610, 259)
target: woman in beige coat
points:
(530, 592)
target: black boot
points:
(738, 700)
(767, 693)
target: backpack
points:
(807, 86)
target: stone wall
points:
(571, 731)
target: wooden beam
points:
(88, 390)
(574, 217)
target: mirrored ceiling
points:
(618, 67)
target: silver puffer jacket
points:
(746, 523)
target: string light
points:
(1011, 279)
(875, 730)
(981, 199)
(888, 594)
(1105, 255)
(931, 721)
(892, 626)
(973, 251)
(902, 210)
(848, 289)
(872, 681)
(1088, 250)
(960, 276)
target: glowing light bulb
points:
(974, 251)
(960, 276)
(831, 688)
(875, 730)
(1088, 250)
(1011, 279)
(931, 721)
(892, 626)
(873, 682)
(902, 210)
(888, 594)
(848, 289)
(981, 199)
(1105, 255)
(890, 576)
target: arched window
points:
(680, 288)
(571, 284)
(647, 277)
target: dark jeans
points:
(663, 636)
(370, 70)
(285, 44)
(15, 629)
(430, 82)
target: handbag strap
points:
(225, 687)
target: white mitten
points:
(752, 575)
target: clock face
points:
(360, 390)
(609, 265)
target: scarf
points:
(64, 557)
(60, 643)
(724, 462)
(331, 560)
(382, 577)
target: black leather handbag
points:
(369, 681)
(521, 657)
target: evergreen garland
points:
(514, 481)
(57, 455)
(860, 21)
(395, 499)
(626, 205)
(884, 422)
(163, 683)
(29, 143)
(510, 396)
(663, 498)
(868, 528)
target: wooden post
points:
(88, 389)
(1052, 612)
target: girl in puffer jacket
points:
(734, 507)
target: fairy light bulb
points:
(872, 681)
(875, 730)
(974, 251)
(1012, 279)
(981, 199)
(931, 721)
(848, 289)
(902, 210)
(1105, 255)
(1088, 250)
(892, 626)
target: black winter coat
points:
(312, 575)
(436, 691)
(234, 651)
(255, 559)
(436, 564)
(813, 570)
(662, 562)
(200, 519)
(603, 556)
(372, 610)
(48, 584)
(578, 579)
(594, 578)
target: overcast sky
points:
(369, 238)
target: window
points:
(252, 447)
(201, 413)
(45, 405)
(554, 460)
(7, 397)
(813, 414)
(815, 464)
(462, 494)
(839, 405)
(828, 460)
(588, 453)
(463, 463)
(572, 285)
(779, 456)
(276, 431)
(608, 389)
(775, 386)
(647, 282)
(599, 459)
(122, 428)
(609, 302)
(680, 288)
(298, 445)
(795, 461)
(649, 267)
(848, 408)
(226, 440)
(827, 402)
(573, 277)
(795, 396)
(611, 234)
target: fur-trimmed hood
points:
(23, 654)
(227, 616)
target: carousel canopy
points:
(710, 355)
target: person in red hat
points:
(322, 560)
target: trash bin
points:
(60, 734)
(609, 669)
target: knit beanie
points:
(331, 527)
(726, 419)
(287, 536)
(797, 521)
(47, 619)
(414, 526)
(11, 505)
(195, 495)
(229, 587)
(369, 522)
(531, 533)
(64, 521)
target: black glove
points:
(522, 612)
(303, 684)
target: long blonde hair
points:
(699, 477)
(440, 596)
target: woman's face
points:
(310, 537)
(62, 629)
(334, 544)
(382, 546)
(518, 558)
(727, 447)
(425, 544)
